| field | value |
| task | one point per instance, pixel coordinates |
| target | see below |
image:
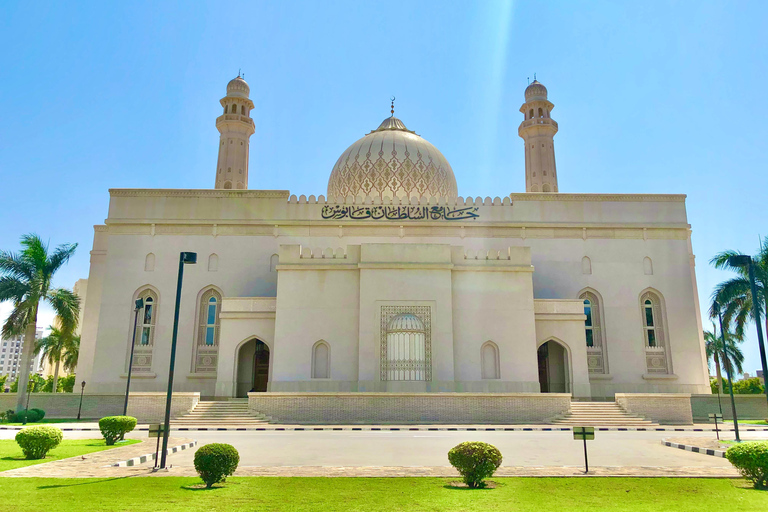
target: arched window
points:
(321, 360)
(531, 114)
(654, 332)
(489, 358)
(149, 263)
(593, 326)
(534, 188)
(242, 109)
(225, 109)
(545, 187)
(273, 261)
(234, 109)
(406, 348)
(207, 347)
(227, 184)
(541, 112)
(647, 266)
(145, 331)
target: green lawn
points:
(11, 456)
(45, 420)
(158, 494)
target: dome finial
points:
(392, 111)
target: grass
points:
(44, 421)
(158, 494)
(11, 456)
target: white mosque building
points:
(393, 282)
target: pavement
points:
(408, 453)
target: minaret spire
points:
(236, 128)
(538, 130)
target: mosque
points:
(392, 281)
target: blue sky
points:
(651, 97)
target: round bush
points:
(40, 414)
(215, 462)
(37, 441)
(751, 459)
(114, 428)
(475, 461)
(31, 415)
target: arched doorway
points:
(252, 367)
(554, 376)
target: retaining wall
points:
(146, 406)
(748, 407)
(664, 408)
(410, 408)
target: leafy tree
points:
(69, 359)
(26, 280)
(735, 295)
(54, 347)
(36, 385)
(714, 346)
(753, 386)
(3, 378)
(67, 383)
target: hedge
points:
(215, 462)
(475, 461)
(114, 428)
(751, 459)
(37, 441)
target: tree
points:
(714, 346)
(26, 280)
(55, 347)
(3, 378)
(735, 296)
(70, 357)
(67, 383)
(36, 385)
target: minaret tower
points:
(236, 128)
(538, 131)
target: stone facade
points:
(748, 407)
(667, 408)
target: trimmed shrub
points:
(475, 461)
(215, 462)
(32, 416)
(40, 414)
(114, 428)
(37, 441)
(751, 459)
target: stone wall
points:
(146, 407)
(410, 408)
(748, 407)
(664, 408)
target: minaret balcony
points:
(235, 117)
(538, 120)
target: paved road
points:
(403, 448)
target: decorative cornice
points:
(194, 193)
(644, 198)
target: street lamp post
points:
(743, 260)
(728, 373)
(80, 407)
(26, 408)
(184, 258)
(139, 305)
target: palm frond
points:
(720, 261)
(12, 289)
(14, 265)
(72, 354)
(66, 305)
(60, 256)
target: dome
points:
(238, 88)
(405, 322)
(392, 161)
(535, 91)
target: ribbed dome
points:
(405, 322)
(392, 161)
(238, 88)
(535, 91)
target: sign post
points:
(156, 430)
(715, 416)
(584, 434)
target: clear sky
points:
(651, 97)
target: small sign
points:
(583, 433)
(155, 429)
(715, 416)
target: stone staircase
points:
(221, 413)
(601, 414)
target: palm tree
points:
(54, 347)
(69, 359)
(735, 296)
(714, 347)
(25, 279)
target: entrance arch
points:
(554, 368)
(252, 373)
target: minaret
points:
(236, 128)
(538, 131)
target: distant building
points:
(10, 356)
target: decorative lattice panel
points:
(424, 313)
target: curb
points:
(695, 449)
(420, 429)
(141, 459)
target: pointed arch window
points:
(654, 333)
(145, 332)
(489, 359)
(207, 346)
(321, 360)
(593, 330)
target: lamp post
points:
(184, 258)
(743, 260)
(80, 407)
(139, 305)
(728, 373)
(26, 408)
